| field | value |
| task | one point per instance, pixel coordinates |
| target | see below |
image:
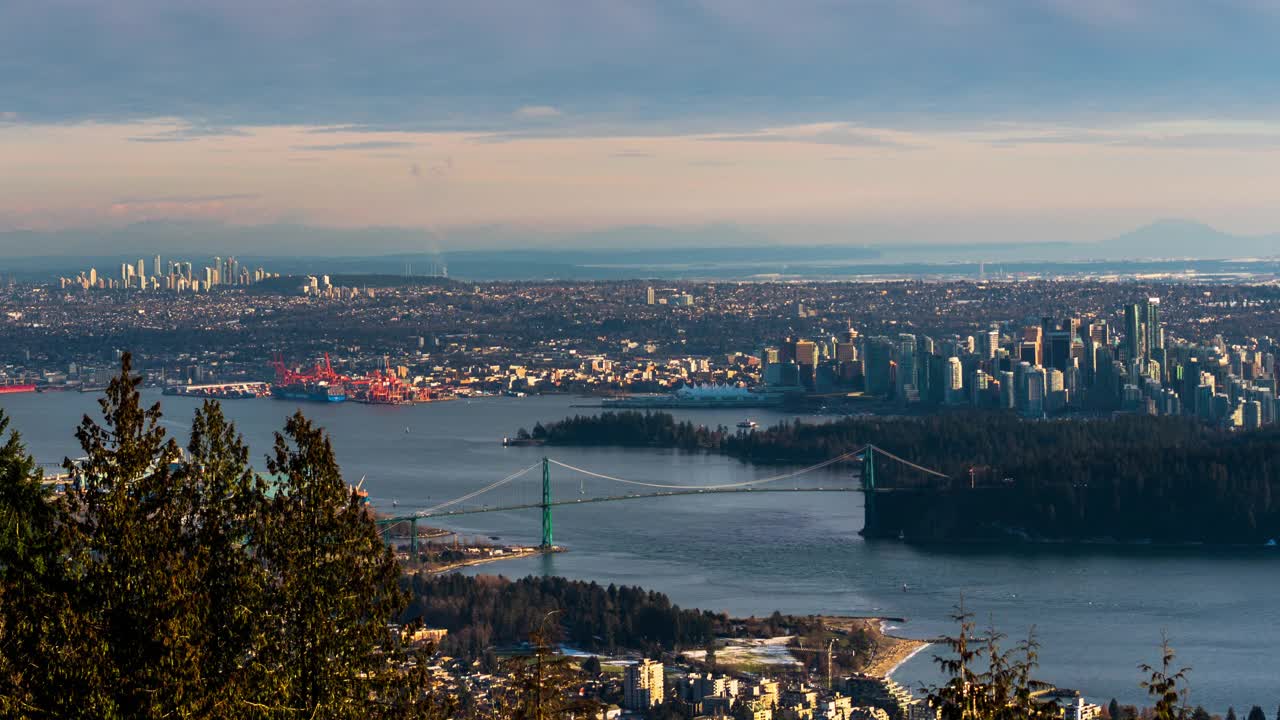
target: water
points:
(1099, 610)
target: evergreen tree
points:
(1023, 704)
(1256, 713)
(1231, 713)
(35, 617)
(134, 581)
(959, 698)
(1002, 691)
(1113, 709)
(226, 504)
(334, 585)
(156, 587)
(1167, 686)
(541, 683)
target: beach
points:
(891, 651)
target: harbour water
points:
(1099, 610)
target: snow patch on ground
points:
(751, 651)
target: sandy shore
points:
(512, 555)
(891, 651)
(922, 646)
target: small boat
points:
(748, 424)
(406, 430)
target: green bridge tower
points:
(546, 504)
(869, 490)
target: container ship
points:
(319, 384)
(319, 391)
(17, 388)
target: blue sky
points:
(176, 95)
(665, 65)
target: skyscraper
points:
(1153, 336)
(643, 685)
(1058, 349)
(990, 343)
(1008, 396)
(955, 385)
(1036, 391)
(1031, 349)
(1100, 332)
(1133, 334)
(907, 362)
(806, 357)
(877, 363)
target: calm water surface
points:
(1098, 610)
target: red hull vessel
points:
(6, 389)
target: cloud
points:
(823, 134)
(168, 207)
(639, 154)
(187, 132)
(1244, 141)
(537, 112)
(413, 64)
(225, 197)
(8, 116)
(1206, 141)
(359, 145)
(1074, 137)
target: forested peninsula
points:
(1127, 478)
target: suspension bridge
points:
(604, 488)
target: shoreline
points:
(482, 561)
(892, 650)
(923, 646)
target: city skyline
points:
(639, 360)
(875, 123)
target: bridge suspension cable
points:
(436, 509)
(908, 463)
(481, 491)
(724, 486)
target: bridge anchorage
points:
(545, 500)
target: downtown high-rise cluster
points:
(1054, 366)
(177, 276)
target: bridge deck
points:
(635, 496)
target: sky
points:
(860, 121)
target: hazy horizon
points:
(867, 123)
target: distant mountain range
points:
(1190, 239)
(724, 251)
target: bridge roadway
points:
(616, 498)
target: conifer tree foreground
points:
(39, 636)
(167, 586)
(335, 584)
